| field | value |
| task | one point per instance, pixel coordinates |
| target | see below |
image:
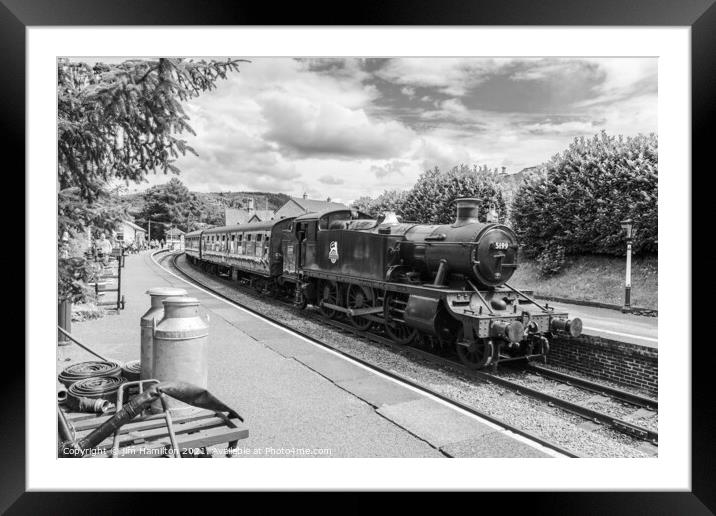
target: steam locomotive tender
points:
(444, 286)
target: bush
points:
(73, 276)
(578, 199)
(432, 198)
(551, 260)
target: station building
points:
(296, 206)
(128, 233)
(174, 239)
(293, 207)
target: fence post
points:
(64, 321)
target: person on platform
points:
(104, 248)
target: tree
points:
(432, 198)
(120, 122)
(578, 199)
(170, 204)
(389, 200)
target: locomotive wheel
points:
(477, 355)
(393, 310)
(329, 294)
(359, 297)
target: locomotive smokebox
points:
(467, 211)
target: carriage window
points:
(258, 238)
(240, 236)
(233, 237)
(248, 237)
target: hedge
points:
(578, 199)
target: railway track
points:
(585, 412)
(467, 408)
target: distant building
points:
(512, 182)
(246, 213)
(174, 239)
(299, 205)
(128, 233)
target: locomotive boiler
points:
(483, 253)
(440, 286)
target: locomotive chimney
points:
(467, 209)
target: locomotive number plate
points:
(500, 245)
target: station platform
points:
(613, 324)
(299, 399)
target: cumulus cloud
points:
(350, 127)
(452, 76)
(330, 180)
(451, 109)
(391, 167)
(573, 127)
(304, 127)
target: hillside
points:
(213, 203)
(262, 200)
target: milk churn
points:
(181, 344)
(146, 324)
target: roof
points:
(314, 215)
(313, 205)
(175, 232)
(251, 226)
(264, 214)
(236, 216)
(241, 216)
(133, 225)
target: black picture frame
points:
(700, 15)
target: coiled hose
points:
(96, 394)
(131, 370)
(92, 368)
(182, 391)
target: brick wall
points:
(627, 364)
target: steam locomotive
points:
(442, 286)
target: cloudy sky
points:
(350, 127)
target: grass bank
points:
(594, 278)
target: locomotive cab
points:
(318, 236)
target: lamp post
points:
(627, 225)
